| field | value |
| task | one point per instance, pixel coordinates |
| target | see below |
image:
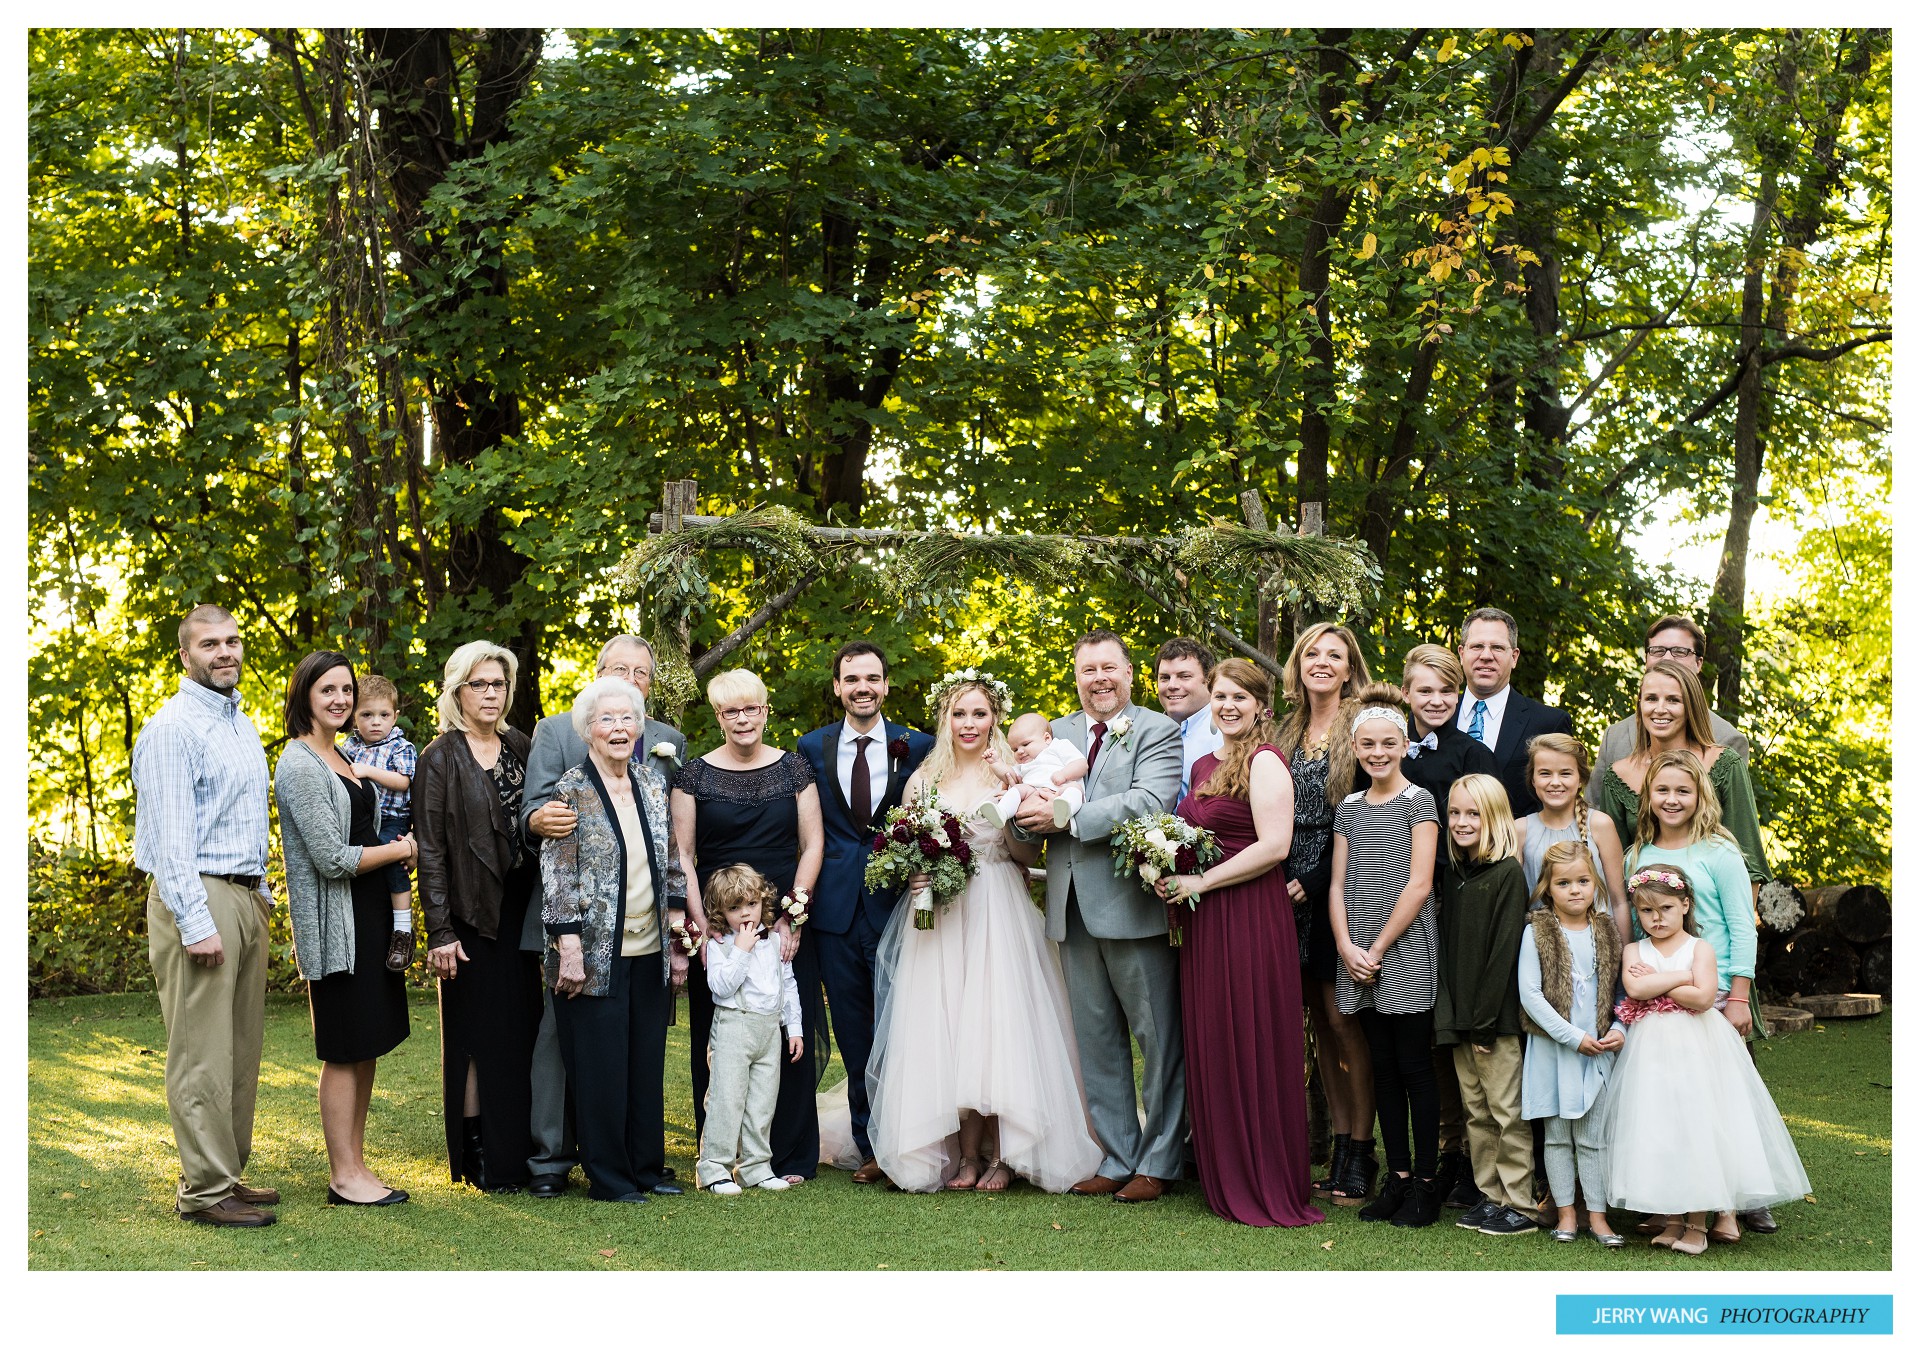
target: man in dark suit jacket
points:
(557, 748)
(1493, 712)
(861, 764)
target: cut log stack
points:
(1842, 946)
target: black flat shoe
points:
(666, 1189)
(547, 1185)
(631, 1198)
(393, 1198)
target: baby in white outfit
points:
(1048, 765)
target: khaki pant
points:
(1498, 1138)
(746, 1051)
(214, 1017)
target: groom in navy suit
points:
(861, 764)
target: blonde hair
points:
(1441, 661)
(1706, 821)
(1233, 776)
(1498, 839)
(1560, 743)
(731, 885)
(738, 683)
(940, 760)
(1559, 854)
(1693, 701)
(459, 670)
(1291, 732)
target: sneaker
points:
(1422, 1206)
(1393, 1194)
(728, 1188)
(1507, 1222)
(773, 1184)
(1478, 1215)
(1062, 812)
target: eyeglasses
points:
(625, 672)
(1659, 652)
(743, 714)
(487, 686)
(612, 720)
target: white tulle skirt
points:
(1690, 1126)
(972, 1015)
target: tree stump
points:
(1785, 1019)
(1853, 1005)
(1862, 915)
(1813, 959)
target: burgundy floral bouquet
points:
(921, 837)
(1152, 847)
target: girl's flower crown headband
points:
(1665, 877)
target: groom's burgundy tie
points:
(862, 783)
(1093, 747)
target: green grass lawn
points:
(101, 1169)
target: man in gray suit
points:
(557, 748)
(1123, 979)
(1669, 638)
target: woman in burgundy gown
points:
(1240, 971)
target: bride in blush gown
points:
(973, 1078)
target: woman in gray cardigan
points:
(337, 900)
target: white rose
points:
(1149, 873)
(1158, 838)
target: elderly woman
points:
(1673, 717)
(475, 878)
(612, 890)
(337, 902)
(748, 802)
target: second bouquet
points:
(921, 837)
(1153, 847)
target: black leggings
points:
(1403, 1085)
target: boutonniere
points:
(897, 748)
(794, 905)
(1119, 727)
(664, 750)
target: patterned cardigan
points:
(584, 876)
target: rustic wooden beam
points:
(710, 660)
(838, 534)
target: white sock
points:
(403, 921)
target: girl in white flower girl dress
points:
(1691, 1129)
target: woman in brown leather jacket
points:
(475, 880)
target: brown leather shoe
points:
(229, 1213)
(255, 1196)
(1096, 1186)
(869, 1172)
(400, 950)
(1142, 1188)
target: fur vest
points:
(1556, 967)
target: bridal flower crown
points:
(997, 690)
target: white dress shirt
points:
(876, 760)
(756, 981)
(1490, 724)
(1198, 737)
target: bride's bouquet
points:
(921, 837)
(1152, 847)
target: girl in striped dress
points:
(1381, 904)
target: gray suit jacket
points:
(1617, 744)
(1136, 775)
(557, 748)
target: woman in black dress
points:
(748, 802)
(341, 915)
(476, 876)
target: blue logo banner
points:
(1721, 1315)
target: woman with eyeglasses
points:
(476, 875)
(748, 802)
(612, 890)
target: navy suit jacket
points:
(1524, 720)
(842, 888)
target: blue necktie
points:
(1477, 729)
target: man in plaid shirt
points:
(200, 831)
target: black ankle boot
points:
(1394, 1193)
(1454, 1168)
(1356, 1181)
(1422, 1206)
(1342, 1146)
(473, 1157)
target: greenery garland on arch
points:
(1190, 574)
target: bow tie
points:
(1431, 742)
